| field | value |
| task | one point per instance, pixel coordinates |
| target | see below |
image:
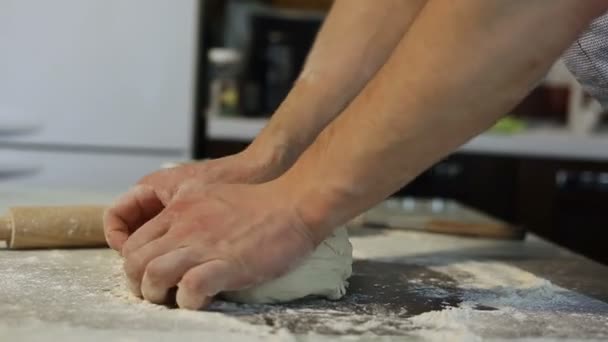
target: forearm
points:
(357, 37)
(461, 66)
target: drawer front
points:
(67, 170)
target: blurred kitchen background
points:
(96, 93)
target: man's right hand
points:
(156, 190)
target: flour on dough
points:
(323, 274)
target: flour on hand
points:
(323, 274)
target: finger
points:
(165, 271)
(170, 178)
(115, 230)
(148, 232)
(128, 213)
(162, 181)
(115, 233)
(136, 262)
(137, 206)
(201, 283)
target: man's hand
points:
(325, 87)
(216, 238)
(154, 191)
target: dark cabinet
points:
(484, 182)
(567, 202)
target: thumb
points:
(204, 281)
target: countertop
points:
(405, 284)
(542, 142)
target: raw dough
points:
(323, 274)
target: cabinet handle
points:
(581, 180)
(13, 171)
(448, 170)
(11, 129)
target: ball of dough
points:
(322, 274)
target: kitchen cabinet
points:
(566, 201)
(488, 183)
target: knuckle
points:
(151, 178)
(121, 202)
(191, 283)
(133, 266)
(155, 273)
(127, 250)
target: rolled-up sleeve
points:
(587, 59)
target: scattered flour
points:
(52, 291)
(498, 301)
(30, 259)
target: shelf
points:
(237, 129)
(543, 143)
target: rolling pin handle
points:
(6, 228)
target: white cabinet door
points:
(98, 72)
(75, 170)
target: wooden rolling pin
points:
(53, 227)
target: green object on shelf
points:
(509, 125)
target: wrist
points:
(320, 203)
(270, 155)
(263, 165)
(294, 125)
